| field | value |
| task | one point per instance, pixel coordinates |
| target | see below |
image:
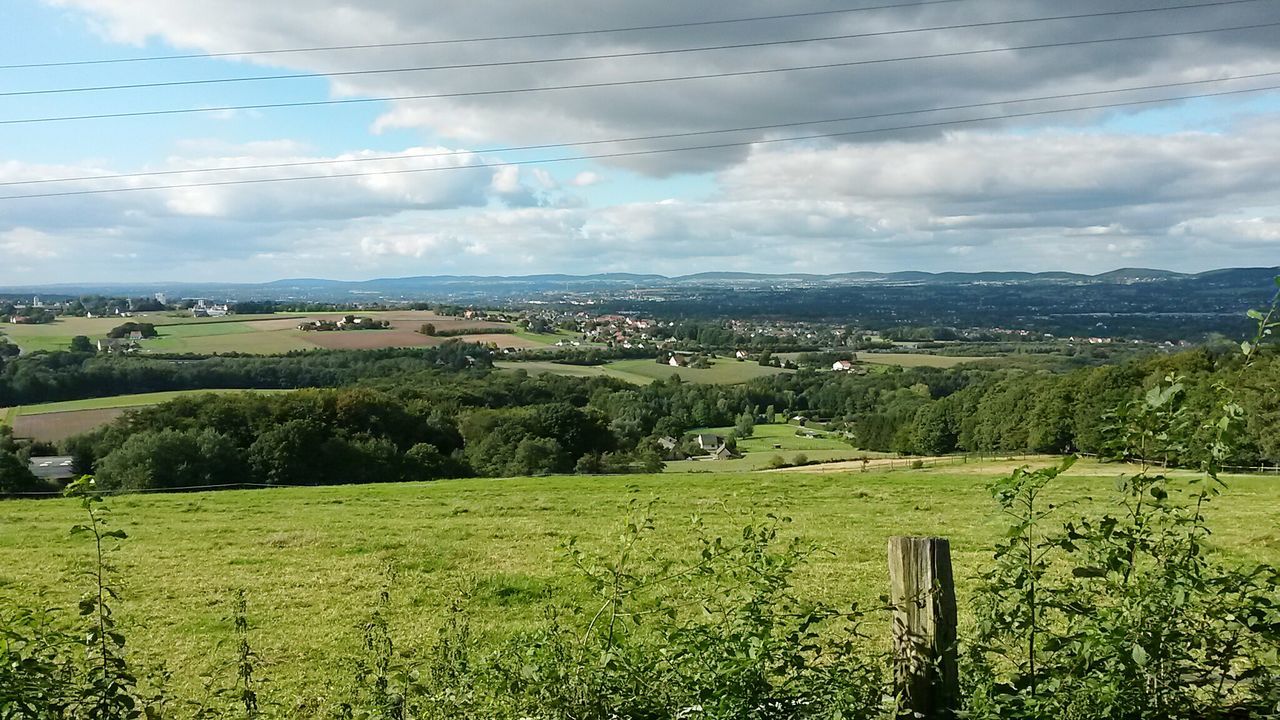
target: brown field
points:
(56, 426)
(369, 339)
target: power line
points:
(639, 138)
(618, 83)
(637, 153)
(610, 56)
(490, 38)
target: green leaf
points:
(1255, 314)
(1139, 655)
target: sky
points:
(1187, 185)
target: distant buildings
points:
(205, 308)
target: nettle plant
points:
(1128, 613)
(720, 635)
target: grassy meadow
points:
(767, 441)
(311, 559)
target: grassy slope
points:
(759, 449)
(311, 558)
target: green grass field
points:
(311, 558)
(252, 334)
(759, 449)
(57, 334)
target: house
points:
(116, 345)
(724, 453)
(740, 355)
(709, 441)
(54, 467)
(678, 361)
(135, 335)
(842, 366)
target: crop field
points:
(58, 426)
(261, 334)
(916, 359)
(311, 559)
(56, 421)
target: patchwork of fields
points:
(311, 558)
(264, 334)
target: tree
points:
(765, 358)
(288, 454)
(425, 462)
(170, 458)
(80, 343)
(746, 425)
(15, 476)
(537, 456)
(428, 329)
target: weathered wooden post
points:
(922, 593)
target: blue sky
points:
(1177, 186)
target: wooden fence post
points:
(922, 593)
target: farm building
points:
(53, 467)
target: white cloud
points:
(997, 196)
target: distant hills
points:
(479, 287)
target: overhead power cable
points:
(619, 83)
(608, 56)
(489, 38)
(636, 138)
(639, 153)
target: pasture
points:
(264, 334)
(778, 439)
(311, 559)
(52, 422)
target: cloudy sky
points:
(1187, 185)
